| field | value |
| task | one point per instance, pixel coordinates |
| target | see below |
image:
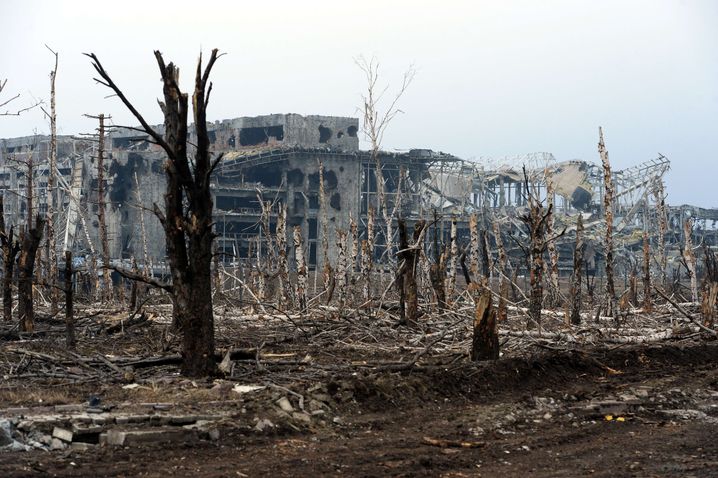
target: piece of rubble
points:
(247, 388)
(5, 433)
(137, 437)
(302, 417)
(263, 424)
(285, 405)
(62, 434)
(81, 446)
(57, 444)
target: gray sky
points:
(501, 77)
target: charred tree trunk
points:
(502, 313)
(554, 292)
(104, 244)
(535, 220)
(647, 302)
(608, 214)
(281, 233)
(690, 258)
(367, 256)
(342, 268)
(448, 262)
(485, 343)
(710, 293)
(662, 228)
(301, 291)
(187, 215)
(474, 245)
(406, 279)
(437, 271)
(69, 311)
(10, 249)
(30, 242)
(51, 197)
(576, 278)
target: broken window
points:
(325, 134)
(336, 201)
(352, 131)
(295, 177)
(260, 135)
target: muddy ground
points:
(334, 406)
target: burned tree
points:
(437, 270)
(29, 243)
(52, 193)
(535, 219)
(406, 275)
(690, 258)
(608, 214)
(554, 292)
(485, 343)
(647, 303)
(107, 292)
(710, 287)
(187, 215)
(10, 249)
(503, 281)
(576, 277)
(30, 239)
(662, 227)
(69, 308)
(375, 124)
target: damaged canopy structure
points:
(273, 161)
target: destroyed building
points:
(275, 160)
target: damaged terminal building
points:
(275, 160)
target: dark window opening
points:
(336, 201)
(313, 201)
(232, 141)
(352, 131)
(127, 142)
(298, 203)
(212, 135)
(267, 176)
(256, 136)
(325, 134)
(295, 177)
(340, 134)
(330, 180)
(231, 203)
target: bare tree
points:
(406, 275)
(5, 103)
(52, 192)
(10, 249)
(375, 124)
(535, 219)
(575, 291)
(690, 258)
(608, 214)
(187, 215)
(101, 216)
(29, 240)
(647, 302)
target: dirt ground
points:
(552, 410)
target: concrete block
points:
(62, 434)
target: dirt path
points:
(627, 412)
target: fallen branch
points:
(452, 443)
(683, 311)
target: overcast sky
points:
(495, 78)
